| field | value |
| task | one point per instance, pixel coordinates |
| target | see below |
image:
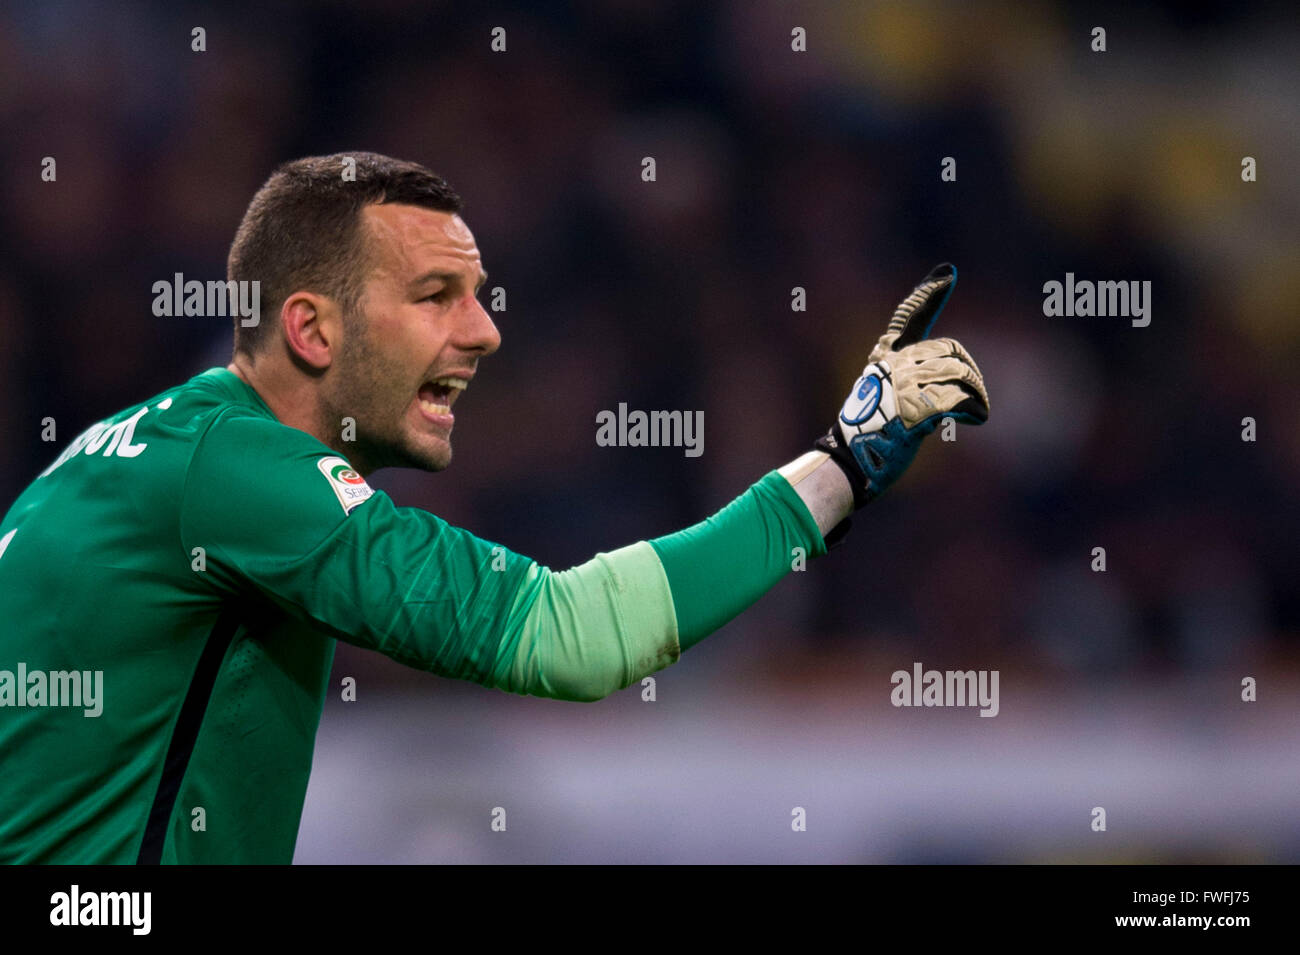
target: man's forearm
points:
(720, 566)
(593, 629)
(823, 488)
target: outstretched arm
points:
(405, 583)
(716, 569)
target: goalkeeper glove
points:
(909, 385)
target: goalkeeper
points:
(201, 553)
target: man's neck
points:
(287, 408)
(295, 408)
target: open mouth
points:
(437, 396)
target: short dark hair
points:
(302, 229)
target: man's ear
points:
(310, 324)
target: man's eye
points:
(435, 297)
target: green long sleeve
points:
(723, 564)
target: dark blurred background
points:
(776, 169)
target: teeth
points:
(433, 408)
(459, 384)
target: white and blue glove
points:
(910, 384)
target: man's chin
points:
(430, 458)
(426, 458)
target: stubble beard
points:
(373, 390)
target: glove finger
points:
(916, 405)
(965, 356)
(934, 348)
(931, 348)
(938, 385)
(934, 370)
(954, 348)
(970, 378)
(916, 314)
(947, 349)
(958, 402)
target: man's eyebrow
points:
(448, 277)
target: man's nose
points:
(478, 331)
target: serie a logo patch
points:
(349, 486)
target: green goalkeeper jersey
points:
(172, 586)
(195, 558)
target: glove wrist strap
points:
(843, 457)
